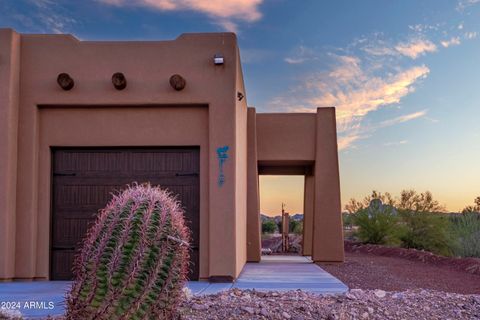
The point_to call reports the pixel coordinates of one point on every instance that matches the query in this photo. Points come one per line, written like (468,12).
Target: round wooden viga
(177,82)
(65,81)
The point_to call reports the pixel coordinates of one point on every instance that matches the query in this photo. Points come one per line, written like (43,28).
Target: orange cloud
(355,92)
(220,10)
(345,142)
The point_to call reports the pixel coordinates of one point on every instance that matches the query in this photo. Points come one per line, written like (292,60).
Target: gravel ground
(369,271)
(413,290)
(357,304)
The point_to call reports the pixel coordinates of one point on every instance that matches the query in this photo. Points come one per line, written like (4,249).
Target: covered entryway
(281,185)
(83,180)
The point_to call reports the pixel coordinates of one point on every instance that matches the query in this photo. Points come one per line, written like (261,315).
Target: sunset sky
(404,76)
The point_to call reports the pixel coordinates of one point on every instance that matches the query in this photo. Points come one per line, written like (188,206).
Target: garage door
(83,180)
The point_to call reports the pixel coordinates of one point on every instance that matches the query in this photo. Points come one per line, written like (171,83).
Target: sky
(402,74)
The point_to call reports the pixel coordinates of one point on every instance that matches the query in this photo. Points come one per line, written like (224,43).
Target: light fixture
(240,96)
(218,59)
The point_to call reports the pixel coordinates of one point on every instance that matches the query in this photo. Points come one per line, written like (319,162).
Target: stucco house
(80,119)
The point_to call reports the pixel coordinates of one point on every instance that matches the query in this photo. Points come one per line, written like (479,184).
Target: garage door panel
(84,181)
(106,162)
(70,231)
(62,261)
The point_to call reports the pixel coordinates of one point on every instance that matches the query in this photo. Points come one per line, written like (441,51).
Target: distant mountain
(297,217)
(264,217)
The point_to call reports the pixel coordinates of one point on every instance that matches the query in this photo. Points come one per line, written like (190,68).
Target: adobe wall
(9,96)
(32,63)
(286,136)
(327,223)
(241,169)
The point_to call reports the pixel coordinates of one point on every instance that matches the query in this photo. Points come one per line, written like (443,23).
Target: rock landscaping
(356,304)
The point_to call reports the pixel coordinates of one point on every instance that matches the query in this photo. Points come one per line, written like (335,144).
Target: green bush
(426,231)
(296,226)
(377,224)
(348,220)
(466,230)
(269,226)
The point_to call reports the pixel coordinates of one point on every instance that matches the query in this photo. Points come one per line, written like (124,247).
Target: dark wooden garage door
(84,178)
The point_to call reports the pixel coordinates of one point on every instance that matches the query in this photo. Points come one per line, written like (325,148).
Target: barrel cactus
(134,260)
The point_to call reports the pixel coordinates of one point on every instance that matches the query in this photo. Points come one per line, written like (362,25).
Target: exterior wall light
(119,81)
(240,96)
(218,59)
(177,82)
(65,81)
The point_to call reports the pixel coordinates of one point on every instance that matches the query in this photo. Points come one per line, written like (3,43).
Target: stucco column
(327,225)
(222,249)
(308,209)
(9,95)
(253,214)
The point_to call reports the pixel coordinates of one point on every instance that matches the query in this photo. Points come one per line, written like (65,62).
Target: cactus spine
(134,261)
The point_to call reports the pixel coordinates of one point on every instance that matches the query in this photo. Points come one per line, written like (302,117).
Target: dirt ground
(368,271)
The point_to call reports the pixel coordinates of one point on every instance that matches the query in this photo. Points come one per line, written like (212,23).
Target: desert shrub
(269,226)
(348,220)
(134,261)
(353,205)
(411,200)
(426,231)
(474,208)
(466,230)
(296,226)
(377,223)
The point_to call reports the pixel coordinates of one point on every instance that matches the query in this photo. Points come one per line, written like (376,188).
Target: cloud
(415,48)
(48,17)
(463,4)
(355,93)
(355,90)
(348,137)
(224,13)
(228,25)
(455,41)
(395,143)
(379,50)
(300,55)
(401,119)
(345,142)
(294,60)
(470,35)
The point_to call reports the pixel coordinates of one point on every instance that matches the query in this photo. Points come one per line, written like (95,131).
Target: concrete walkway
(281,273)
